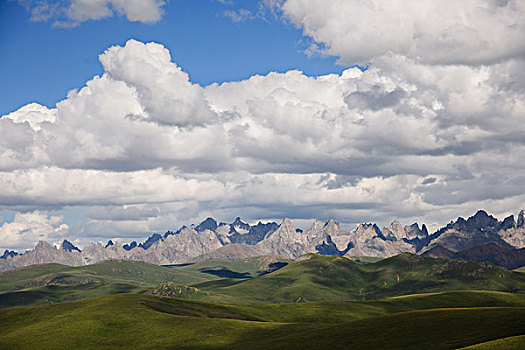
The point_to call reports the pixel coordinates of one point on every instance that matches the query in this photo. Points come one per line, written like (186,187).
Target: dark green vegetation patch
(323,278)
(145,322)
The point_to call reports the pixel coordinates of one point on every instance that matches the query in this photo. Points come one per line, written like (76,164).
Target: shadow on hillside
(226,273)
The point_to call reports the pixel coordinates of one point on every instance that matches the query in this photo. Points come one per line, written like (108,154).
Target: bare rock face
(189,243)
(521,219)
(44,253)
(239,240)
(395,231)
(514,233)
(414,232)
(284,242)
(478,230)
(95,252)
(233,252)
(370,240)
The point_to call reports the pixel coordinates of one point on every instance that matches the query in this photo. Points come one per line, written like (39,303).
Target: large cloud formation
(437,31)
(414,137)
(31,227)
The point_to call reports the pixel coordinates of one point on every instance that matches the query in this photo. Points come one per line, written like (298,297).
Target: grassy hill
(309,278)
(51,283)
(145,321)
(316,277)
(509,343)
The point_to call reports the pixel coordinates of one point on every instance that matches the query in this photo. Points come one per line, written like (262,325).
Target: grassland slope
(145,322)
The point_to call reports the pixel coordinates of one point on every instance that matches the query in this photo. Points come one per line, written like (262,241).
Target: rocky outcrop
(233,251)
(8,254)
(478,230)
(284,242)
(509,258)
(370,240)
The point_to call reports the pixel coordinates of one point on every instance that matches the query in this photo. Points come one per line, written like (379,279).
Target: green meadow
(314,302)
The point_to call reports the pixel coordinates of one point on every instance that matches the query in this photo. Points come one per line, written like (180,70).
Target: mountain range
(237,240)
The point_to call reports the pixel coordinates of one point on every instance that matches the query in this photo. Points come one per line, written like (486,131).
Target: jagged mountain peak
(43,244)
(482,220)
(287,223)
(68,246)
(396,224)
(240,224)
(521,219)
(413,231)
(284,240)
(130,245)
(508,222)
(150,241)
(366,226)
(331,223)
(318,225)
(8,254)
(208,224)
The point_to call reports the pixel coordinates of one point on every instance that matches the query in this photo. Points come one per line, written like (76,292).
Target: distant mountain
(239,240)
(478,230)
(69,247)
(509,258)
(8,254)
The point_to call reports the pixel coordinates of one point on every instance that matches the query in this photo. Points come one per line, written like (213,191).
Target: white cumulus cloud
(73,12)
(144,149)
(27,228)
(436,31)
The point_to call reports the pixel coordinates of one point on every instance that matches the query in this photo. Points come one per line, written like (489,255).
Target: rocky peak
(370,230)
(285,230)
(117,245)
(395,231)
(110,243)
(318,225)
(481,220)
(43,245)
(287,224)
(507,223)
(68,246)
(208,224)
(413,231)
(239,223)
(8,254)
(396,225)
(150,241)
(131,245)
(521,219)
(331,227)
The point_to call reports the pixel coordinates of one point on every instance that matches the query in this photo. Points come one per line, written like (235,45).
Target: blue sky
(431,131)
(41,63)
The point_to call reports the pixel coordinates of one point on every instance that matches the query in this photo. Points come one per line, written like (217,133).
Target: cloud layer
(72,12)
(434,128)
(402,139)
(31,227)
(436,31)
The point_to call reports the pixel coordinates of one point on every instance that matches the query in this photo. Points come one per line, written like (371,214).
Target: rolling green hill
(309,278)
(144,321)
(508,343)
(316,277)
(51,283)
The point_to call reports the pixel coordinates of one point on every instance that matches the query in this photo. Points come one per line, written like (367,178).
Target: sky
(121,118)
